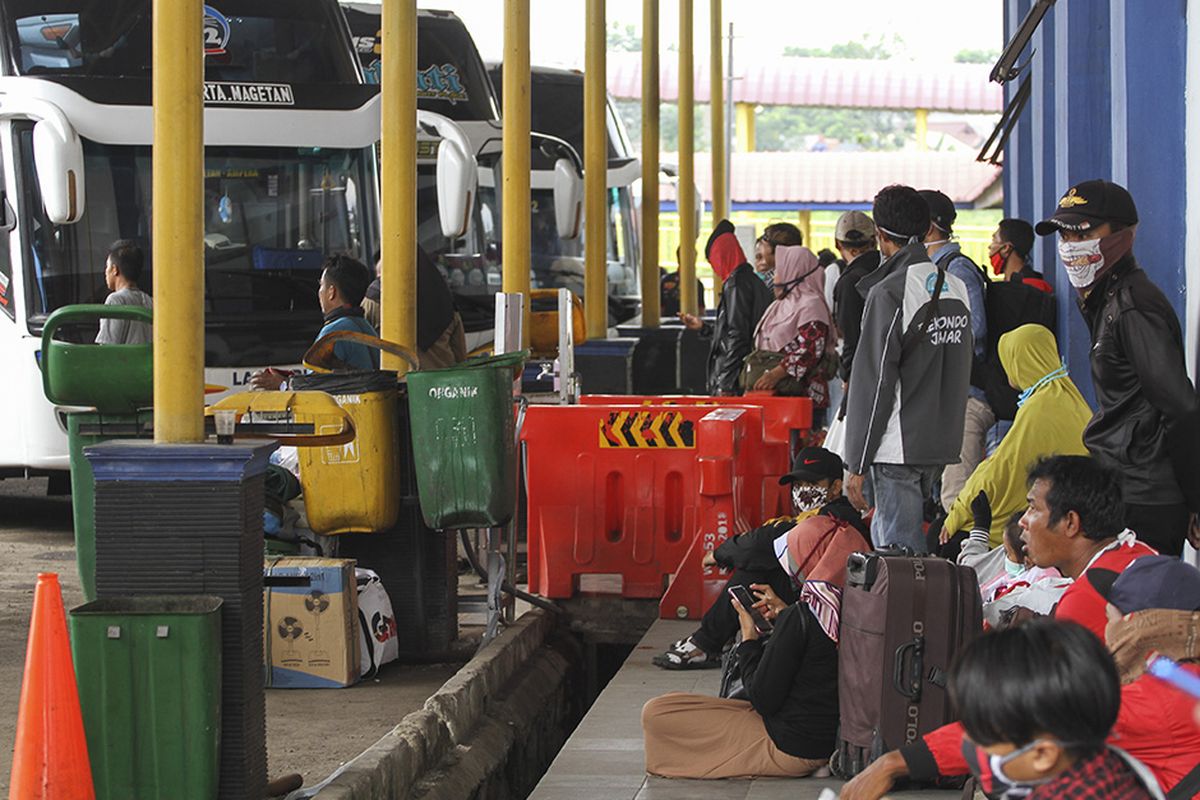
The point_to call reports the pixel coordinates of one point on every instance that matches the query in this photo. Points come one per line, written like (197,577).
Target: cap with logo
(1149,582)
(814,464)
(1090,204)
(941,209)
(854,228)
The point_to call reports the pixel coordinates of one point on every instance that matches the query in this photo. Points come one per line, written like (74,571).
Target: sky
(931,30)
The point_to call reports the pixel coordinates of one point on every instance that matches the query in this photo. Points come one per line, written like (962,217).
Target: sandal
(684,654)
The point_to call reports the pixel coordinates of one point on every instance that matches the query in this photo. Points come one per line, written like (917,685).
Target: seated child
(1037,703)
(816,481)
(1008,579)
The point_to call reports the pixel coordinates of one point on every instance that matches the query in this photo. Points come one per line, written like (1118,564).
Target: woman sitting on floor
(788,728)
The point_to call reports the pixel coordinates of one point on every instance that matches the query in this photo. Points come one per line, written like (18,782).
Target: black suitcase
(903,619)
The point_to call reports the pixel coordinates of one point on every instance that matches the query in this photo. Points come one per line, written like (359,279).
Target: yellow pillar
(743,122)
(720,198)
(178,220)
(516,220)
(686,190)
(804,223)
(398,179)
(651,297)
(595,174)
(922,128)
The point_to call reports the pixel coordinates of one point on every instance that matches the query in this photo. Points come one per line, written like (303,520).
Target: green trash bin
(116,380)
(149,675)
(464,442)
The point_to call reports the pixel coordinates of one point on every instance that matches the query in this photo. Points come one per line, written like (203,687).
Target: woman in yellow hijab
(1050,421)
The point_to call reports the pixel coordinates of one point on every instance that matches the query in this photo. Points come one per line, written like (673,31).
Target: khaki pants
(696,736)
(449,349)
(978,421)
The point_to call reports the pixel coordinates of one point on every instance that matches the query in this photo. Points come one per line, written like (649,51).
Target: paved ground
(603,759)
(308,731)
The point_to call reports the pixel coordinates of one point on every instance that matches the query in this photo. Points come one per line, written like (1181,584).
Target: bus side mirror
(58,158)
(568,199)
(457,177)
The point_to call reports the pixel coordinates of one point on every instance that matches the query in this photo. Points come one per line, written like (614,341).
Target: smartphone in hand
(761,623)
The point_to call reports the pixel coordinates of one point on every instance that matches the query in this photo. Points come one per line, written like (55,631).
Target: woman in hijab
(799,327)
(788,727)
(1051,415)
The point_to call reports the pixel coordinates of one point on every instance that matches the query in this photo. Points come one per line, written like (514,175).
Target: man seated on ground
(1008,578)
(1073,524)
(816,481)
(1038,703)
(1151,607)
(343,284)
(788,727)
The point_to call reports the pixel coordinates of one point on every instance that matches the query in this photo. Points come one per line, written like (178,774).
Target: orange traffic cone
(50,759)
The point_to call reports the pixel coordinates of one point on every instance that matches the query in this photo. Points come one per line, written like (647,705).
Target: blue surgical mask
(1057,374)
(1014,569)
(767,277)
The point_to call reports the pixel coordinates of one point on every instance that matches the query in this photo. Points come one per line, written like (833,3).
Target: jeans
(900,491)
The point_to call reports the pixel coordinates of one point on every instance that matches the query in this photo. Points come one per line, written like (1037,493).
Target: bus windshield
(301,41)
(271,216)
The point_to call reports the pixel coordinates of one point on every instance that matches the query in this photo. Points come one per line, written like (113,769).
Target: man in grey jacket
(908,388)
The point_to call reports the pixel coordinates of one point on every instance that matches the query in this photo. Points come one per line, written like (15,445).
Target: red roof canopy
(840,178)
(828,82)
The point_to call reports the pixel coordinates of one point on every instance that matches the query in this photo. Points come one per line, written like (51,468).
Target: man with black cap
(979,417)
(816,481)
(1147,421)
(744,298)
(908,388)
(854,235)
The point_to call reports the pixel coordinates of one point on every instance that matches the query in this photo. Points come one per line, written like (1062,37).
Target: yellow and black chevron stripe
(647,431)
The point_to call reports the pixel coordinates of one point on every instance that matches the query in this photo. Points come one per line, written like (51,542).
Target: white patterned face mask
(1082,260)
(808,497)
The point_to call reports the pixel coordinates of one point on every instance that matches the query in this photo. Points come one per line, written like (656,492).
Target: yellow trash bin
(352,488)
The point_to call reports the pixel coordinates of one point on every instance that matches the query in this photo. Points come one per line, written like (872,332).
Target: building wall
(1108,101)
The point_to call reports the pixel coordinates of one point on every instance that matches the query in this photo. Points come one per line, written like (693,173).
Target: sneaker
(685,654)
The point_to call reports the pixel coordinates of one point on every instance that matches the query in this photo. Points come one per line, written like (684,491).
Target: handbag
(757,364)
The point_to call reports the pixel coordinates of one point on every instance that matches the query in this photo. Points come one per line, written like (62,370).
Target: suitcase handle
(910,687)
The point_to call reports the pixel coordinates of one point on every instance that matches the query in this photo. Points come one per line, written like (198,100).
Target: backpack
(1009,305)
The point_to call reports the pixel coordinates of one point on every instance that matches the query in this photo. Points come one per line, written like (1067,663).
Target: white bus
(290,177)
(454,84)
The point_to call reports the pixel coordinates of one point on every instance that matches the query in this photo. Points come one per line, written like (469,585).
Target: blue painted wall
(1093,115)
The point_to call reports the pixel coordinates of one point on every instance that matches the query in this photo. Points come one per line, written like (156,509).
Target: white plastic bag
(835,437)
(376,623)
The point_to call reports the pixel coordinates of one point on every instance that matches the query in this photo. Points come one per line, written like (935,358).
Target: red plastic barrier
(782,417)
(694,586)
(617,490)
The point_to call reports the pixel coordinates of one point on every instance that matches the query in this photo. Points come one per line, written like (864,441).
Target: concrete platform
(603,759)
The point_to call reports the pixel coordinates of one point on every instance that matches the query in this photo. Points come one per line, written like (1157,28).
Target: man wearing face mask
(816,481)
(1147,424)
(908,388)
(979,417)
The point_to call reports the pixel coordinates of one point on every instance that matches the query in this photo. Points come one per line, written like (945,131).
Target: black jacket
(792,683)
(848,305)
(744,298)
(754,550)
(1147,414)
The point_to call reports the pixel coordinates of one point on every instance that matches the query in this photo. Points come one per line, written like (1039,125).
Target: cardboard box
(311,623)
